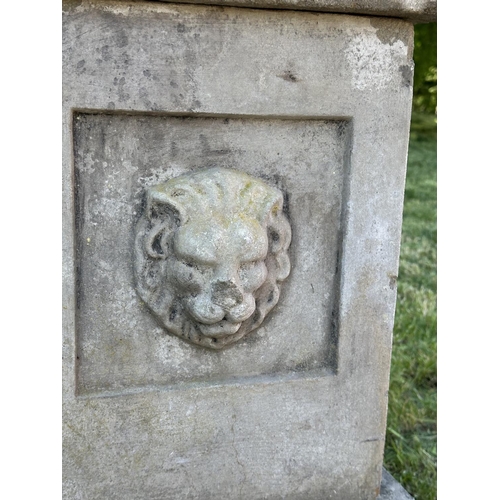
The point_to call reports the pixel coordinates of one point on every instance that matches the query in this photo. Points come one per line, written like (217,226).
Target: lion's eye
(187,274)
(194,265)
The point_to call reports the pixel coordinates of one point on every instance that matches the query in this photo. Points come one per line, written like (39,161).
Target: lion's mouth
(219,329)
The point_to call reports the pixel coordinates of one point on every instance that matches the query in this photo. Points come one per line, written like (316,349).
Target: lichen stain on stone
(117,9)
(390,31)
(372,63)
(393,279)
(407,74)
(71,5)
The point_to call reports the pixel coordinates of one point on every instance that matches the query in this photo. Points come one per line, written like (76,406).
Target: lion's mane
(169,206)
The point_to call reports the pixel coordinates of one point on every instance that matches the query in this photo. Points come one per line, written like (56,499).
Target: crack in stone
(242,482)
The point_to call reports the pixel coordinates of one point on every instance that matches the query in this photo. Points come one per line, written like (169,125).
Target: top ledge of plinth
(417,11)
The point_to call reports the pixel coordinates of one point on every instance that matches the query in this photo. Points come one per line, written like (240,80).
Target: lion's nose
(226,294)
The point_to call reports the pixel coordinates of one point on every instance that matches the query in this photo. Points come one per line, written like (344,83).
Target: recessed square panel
(120,345)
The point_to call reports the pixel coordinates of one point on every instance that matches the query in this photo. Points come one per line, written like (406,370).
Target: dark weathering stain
(407,74)
(121,39)
(392,281)
(288,76)
(78,125)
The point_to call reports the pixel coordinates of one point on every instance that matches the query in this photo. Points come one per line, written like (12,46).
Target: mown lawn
(411,445)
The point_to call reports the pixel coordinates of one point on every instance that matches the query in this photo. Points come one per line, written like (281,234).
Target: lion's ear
(164,215)
(161,203)
(280,236)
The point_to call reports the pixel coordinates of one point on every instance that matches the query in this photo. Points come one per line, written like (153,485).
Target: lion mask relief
(211,253)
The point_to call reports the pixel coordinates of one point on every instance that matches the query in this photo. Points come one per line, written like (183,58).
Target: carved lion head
(210,254)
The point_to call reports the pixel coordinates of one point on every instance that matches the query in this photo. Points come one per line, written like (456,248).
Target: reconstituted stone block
(230,176)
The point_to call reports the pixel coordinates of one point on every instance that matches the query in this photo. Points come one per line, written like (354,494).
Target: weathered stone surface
(316,106)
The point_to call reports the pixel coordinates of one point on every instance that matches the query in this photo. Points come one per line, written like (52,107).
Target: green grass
(411,445)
